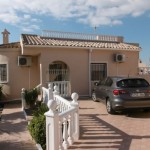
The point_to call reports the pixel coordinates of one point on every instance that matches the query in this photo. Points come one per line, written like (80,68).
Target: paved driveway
(13,130)
(101,131)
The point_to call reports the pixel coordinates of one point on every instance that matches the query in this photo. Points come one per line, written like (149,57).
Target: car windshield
(129,83)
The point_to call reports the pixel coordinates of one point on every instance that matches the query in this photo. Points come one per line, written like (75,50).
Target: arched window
(58,71)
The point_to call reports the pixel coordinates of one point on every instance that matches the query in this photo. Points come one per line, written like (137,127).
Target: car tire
(94,98)
(109,107)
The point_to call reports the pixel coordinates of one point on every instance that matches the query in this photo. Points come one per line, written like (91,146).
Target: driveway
(102,131)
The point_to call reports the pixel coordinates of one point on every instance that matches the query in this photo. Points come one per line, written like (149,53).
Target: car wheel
(109,107)
(94,98)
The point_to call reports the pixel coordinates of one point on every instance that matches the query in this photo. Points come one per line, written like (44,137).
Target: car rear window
(129,83)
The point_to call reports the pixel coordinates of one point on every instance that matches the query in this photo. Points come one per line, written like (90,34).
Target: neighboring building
(72,60)
(144,70)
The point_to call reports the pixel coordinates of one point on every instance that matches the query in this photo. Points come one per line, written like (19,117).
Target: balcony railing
(81,36)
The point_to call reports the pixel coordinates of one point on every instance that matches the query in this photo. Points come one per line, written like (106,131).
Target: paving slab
(14,134)
(102,131)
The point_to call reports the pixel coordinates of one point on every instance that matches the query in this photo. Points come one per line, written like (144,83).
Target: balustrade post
(65,134)
(70,129)
(56,90)
(75,104)
(50,91)
(23,99)
(52,126)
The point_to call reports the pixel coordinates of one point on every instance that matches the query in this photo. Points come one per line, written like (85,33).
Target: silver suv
(119,93)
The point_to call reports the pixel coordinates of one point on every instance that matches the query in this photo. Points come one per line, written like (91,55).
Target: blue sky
(127,18)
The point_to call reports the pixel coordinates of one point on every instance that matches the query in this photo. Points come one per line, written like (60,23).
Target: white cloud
(30,28)
(91,12)
(9,18)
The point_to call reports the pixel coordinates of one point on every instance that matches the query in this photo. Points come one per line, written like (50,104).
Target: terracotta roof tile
(32,40)
(10,45)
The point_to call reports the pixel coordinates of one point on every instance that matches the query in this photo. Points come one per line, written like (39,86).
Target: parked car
(120,93)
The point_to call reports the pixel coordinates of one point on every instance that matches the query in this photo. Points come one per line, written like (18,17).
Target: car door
(97,89)
(101,90)
(106,89)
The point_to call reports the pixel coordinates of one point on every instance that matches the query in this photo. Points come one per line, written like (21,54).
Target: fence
(62,119)
(64,87)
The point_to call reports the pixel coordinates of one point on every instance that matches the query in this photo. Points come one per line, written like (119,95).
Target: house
(74,61)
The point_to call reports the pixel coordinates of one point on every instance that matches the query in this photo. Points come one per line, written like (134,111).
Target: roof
(10,45)
(35,40)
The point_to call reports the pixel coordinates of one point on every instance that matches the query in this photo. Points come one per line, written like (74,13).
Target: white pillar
(50,91)
(23,99)
(52,125)
(75,104)
(56,90)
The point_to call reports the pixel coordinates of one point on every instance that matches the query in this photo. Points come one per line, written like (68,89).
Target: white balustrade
(62,122)
(64,87)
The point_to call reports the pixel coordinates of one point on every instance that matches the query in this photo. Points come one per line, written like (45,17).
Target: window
(98,71)
(129,83)
(3,73)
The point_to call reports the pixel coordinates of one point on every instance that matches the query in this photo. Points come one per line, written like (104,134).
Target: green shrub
(31,96)
(37,126)
(40,110)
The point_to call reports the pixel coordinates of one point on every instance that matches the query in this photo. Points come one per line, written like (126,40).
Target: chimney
(5,36)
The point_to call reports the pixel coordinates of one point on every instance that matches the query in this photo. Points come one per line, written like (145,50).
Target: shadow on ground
(98,134)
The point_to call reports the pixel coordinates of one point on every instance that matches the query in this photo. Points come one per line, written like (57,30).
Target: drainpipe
(90,53)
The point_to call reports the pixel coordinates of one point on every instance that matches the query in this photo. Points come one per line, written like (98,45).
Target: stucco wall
(78,63)
(18,77)
(77,60)
(129,67)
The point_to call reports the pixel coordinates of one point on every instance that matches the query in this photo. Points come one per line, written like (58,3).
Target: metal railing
(81,36)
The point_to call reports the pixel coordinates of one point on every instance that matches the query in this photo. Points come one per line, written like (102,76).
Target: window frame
(105,65)
(6,81)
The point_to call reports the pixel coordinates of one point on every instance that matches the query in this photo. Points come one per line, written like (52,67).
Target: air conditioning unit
(119,58)
(24,61)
